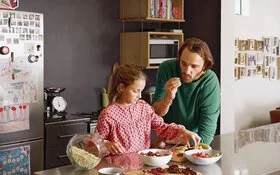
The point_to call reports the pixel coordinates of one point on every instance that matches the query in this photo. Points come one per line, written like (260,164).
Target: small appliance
(162,49)
(55,104)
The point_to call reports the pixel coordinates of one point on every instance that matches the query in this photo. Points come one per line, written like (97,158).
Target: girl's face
(131,94)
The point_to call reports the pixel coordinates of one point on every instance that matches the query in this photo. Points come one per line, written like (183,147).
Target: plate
(215,155)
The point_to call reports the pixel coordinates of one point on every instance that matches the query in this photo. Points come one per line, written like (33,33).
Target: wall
(246,103)
(81,44)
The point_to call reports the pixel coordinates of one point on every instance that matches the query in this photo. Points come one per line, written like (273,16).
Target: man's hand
(171,87)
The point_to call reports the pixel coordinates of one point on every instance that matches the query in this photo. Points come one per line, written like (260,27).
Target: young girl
(127,122)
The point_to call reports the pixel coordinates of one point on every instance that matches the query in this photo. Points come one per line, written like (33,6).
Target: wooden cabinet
(134,46)
(57,136)
(141,10)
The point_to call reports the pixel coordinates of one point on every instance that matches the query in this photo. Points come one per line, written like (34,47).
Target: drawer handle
(64,136)
(62,156)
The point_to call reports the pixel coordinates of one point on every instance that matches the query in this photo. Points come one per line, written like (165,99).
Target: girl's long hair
(125,74)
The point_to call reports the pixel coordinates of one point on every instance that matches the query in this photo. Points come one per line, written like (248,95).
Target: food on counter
(157,154)
(82,158)
(206,155)
(178,153)
(172,169)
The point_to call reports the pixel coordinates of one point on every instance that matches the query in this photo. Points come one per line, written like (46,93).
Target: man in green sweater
(188,92)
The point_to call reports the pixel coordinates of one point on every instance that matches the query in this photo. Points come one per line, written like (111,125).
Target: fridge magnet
(275,42)
(251,59)
(15,160)
(241,58)
(267,44)
(242,45)
(251,44)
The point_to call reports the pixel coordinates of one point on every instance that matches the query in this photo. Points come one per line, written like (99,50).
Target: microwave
(162,50)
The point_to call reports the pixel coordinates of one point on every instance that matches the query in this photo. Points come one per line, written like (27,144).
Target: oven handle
(65,136)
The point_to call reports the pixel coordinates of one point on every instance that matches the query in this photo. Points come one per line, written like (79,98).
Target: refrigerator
(21,92)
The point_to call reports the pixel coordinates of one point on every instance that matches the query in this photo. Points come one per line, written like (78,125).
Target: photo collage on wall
(257,58)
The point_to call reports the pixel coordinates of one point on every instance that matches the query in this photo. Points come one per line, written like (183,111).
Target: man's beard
(187,78)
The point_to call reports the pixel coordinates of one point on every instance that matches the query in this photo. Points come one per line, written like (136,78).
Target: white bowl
(215,156)
(110,171)
(163,159)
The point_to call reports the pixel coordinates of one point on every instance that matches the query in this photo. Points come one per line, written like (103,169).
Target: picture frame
(251,44)
(236,73)
(260,58)
(267,44)
(251,60)
(259,69)
(236,43)
(272,73)
(259,45)
(266,61)
(273,61)
(265,72)
(242,72)
(242,45)
(250,72)
(241,58)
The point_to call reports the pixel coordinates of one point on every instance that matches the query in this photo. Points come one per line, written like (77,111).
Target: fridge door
(21,78)
(22,158)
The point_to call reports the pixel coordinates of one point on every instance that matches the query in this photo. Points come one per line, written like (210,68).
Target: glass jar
(85,150)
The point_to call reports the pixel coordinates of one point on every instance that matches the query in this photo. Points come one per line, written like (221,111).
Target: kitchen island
(249,152)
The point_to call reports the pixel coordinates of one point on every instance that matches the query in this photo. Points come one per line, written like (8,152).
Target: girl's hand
(187,136)
(115,147)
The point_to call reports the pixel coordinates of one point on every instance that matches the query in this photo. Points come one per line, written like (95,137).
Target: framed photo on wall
(251,44)
(250,72)
(242,58)
(259,45)
(242,45)
(267,44)
(272,73)
(251,59)
(259,58)
(242,72)
(266,61)
(265,72)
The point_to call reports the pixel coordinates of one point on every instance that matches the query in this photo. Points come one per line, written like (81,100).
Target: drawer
(56,157)
(61,134)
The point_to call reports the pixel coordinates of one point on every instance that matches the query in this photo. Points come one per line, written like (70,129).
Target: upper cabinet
(152,10)
(150,48)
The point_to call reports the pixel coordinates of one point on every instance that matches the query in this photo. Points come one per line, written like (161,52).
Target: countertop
(248,152)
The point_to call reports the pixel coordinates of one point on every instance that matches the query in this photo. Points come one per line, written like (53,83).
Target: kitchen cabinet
(134,46)
(58,132)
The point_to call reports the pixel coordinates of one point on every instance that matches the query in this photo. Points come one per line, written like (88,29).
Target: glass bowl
(85,150)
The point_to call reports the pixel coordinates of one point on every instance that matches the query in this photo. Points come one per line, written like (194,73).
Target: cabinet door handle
(62,156)
(64,136)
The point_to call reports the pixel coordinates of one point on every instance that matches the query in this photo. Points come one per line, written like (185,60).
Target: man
(188,92)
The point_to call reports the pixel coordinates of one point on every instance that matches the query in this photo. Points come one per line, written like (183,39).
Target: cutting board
(140,172)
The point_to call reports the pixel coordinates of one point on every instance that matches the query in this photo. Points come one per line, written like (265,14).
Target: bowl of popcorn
(85,150)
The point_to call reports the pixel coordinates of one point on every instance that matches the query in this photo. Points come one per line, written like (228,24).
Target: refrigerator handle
(65,136)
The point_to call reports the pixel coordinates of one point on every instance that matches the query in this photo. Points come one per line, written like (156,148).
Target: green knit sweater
(196,105)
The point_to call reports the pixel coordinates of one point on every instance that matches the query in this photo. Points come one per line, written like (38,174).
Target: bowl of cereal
(84,151)
(155,157)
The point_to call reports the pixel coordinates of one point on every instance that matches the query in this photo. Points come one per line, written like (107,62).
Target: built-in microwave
(162,49)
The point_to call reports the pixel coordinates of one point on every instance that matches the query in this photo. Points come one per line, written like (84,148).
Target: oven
(93,119)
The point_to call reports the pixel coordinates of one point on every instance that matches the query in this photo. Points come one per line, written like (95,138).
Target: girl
(126,123)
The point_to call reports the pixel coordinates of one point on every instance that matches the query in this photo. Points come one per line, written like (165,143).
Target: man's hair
(201,48)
